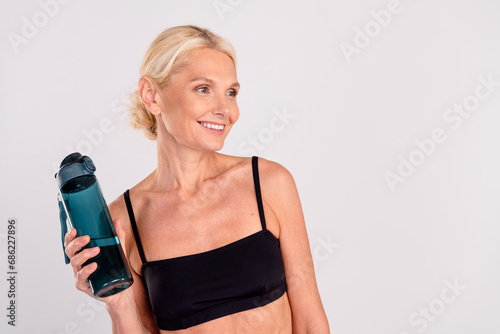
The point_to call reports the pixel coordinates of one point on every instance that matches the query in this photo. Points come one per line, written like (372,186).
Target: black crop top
(189,290)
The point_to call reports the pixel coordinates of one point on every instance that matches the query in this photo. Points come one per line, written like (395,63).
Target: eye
(232,92)
(202,89)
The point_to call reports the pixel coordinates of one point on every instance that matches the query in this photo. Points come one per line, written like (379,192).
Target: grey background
(384,257)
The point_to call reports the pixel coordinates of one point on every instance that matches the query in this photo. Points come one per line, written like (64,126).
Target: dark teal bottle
(82,206)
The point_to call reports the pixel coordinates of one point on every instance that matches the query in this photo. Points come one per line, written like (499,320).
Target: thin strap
(134,225)
(255,169)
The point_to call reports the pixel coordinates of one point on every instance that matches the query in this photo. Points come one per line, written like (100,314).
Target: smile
(212,126)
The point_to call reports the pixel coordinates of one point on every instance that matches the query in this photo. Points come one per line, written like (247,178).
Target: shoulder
(279,192)
(274,177)
(118,210)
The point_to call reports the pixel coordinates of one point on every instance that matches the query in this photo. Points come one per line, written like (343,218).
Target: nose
(221,107)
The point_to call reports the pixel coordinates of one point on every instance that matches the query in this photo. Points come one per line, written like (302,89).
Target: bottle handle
(64,227)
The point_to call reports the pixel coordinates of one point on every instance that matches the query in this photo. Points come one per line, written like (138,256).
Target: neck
(182,168)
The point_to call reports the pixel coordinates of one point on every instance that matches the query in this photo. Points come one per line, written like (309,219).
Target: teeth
(213,126)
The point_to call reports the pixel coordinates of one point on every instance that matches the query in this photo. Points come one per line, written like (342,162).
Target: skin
(197,200)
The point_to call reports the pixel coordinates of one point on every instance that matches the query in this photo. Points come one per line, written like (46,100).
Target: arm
(135,314)
(130,310)
(121,306)
(126,314)
(280,193)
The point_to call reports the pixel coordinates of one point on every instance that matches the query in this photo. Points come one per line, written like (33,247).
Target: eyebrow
(210,81)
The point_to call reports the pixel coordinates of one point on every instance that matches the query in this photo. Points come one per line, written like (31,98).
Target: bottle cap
(73,166)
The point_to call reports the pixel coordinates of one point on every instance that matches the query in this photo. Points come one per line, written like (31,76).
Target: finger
(81,281)
(70,235)
(80,258)
(76,245)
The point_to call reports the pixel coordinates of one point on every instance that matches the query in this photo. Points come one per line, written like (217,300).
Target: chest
(172,226)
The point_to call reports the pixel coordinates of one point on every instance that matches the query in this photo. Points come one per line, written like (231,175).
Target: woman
(216,243)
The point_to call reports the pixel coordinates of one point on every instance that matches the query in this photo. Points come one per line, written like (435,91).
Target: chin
(213,147)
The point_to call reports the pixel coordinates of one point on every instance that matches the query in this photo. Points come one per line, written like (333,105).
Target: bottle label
(103,242)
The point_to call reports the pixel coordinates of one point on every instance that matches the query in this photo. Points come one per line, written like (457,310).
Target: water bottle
(82,206)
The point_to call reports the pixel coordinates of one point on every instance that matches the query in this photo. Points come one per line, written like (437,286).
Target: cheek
(183,112)
(235,115)
(194,109)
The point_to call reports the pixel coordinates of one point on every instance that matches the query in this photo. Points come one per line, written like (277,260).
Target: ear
(149,95)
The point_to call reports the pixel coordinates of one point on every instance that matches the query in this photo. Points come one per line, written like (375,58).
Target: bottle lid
(74,165)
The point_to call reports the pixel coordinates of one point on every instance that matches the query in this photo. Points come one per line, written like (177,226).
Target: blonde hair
(164,57)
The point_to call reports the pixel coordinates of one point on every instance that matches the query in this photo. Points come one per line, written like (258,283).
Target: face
(198,107)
